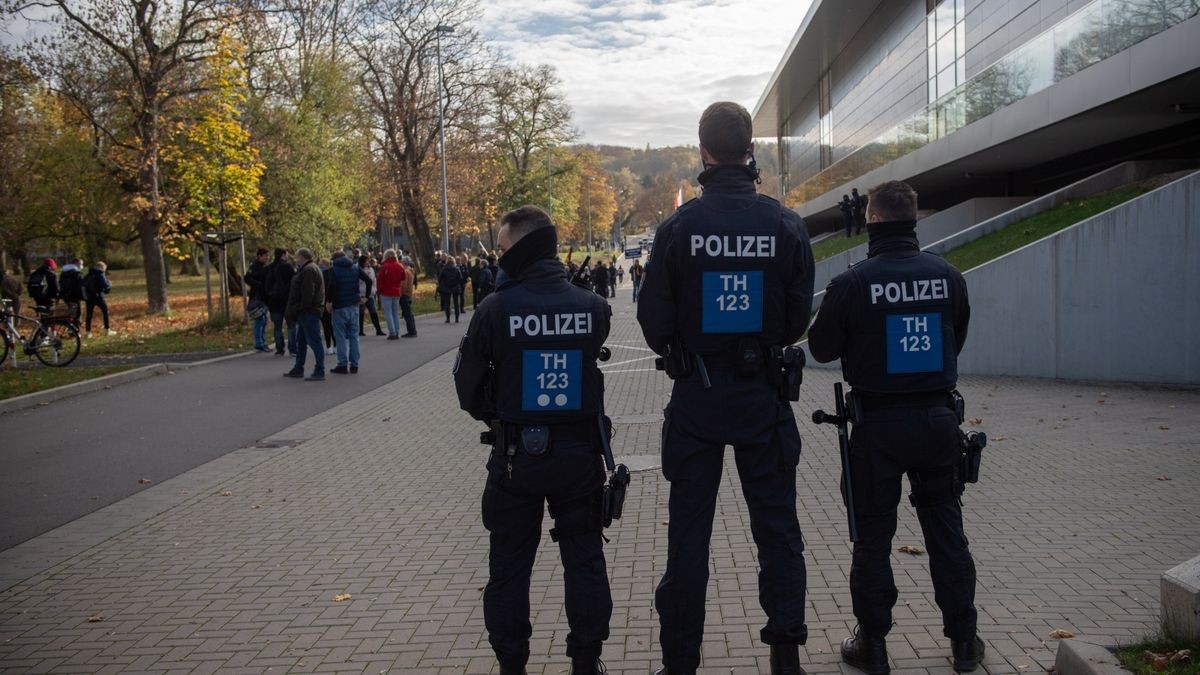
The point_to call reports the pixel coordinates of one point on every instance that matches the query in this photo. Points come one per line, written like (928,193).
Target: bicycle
(54,341)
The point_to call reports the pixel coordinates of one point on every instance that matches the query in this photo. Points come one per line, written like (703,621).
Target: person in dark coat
(326,266)
(460,297)
(859,204)
(256,305)
(95,286)
(449,283)
(43,284)
(278,284)
(70,287)
(847,210)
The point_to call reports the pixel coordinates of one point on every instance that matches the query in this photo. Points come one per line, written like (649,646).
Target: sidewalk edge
(47,396)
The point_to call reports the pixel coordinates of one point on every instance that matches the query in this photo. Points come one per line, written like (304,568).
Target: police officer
(898,321)
(527,366)
(731,283)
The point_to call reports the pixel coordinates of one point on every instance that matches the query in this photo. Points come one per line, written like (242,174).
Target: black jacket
(256,281)
(529,355)
(278,276)
(42,286)
(734,237)
(449,280)
(96,284)
(897,320)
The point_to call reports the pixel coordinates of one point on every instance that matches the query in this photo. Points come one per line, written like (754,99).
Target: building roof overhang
(825,31)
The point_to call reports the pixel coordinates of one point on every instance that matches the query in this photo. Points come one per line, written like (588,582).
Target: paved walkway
(237,566)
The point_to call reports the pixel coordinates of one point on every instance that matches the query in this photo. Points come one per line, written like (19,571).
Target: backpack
(70,285)
(37,284)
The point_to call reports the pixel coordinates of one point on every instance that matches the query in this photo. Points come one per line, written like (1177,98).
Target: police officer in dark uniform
(730,285)
(527,366)
(898,321)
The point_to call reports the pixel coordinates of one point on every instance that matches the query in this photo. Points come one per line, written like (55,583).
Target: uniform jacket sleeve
(473,367)
(827,336)
(656,299)
(800,290)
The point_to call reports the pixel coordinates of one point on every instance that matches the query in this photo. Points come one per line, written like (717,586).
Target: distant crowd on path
(854,212)
(76,289)
(323,305)
(603,278)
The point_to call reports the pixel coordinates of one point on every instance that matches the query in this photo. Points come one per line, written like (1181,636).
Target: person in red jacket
(391,280)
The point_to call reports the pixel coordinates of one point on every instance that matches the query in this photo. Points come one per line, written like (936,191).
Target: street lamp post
(591,240)
(438,30)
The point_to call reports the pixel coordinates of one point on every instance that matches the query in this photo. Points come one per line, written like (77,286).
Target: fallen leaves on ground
(1164,477)
(975,421)
(342,597)
(1161,661)
(911,550)
(1060,634)
(1164,427)
(144,481)
(226,493)
(95,618)
(998,438)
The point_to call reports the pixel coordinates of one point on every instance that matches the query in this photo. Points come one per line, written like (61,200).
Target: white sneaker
(331,350)
(112,332)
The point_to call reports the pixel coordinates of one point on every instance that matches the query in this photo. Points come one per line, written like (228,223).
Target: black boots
(867,653)
(785,660)
(512,671)
(967,654)
(587,667)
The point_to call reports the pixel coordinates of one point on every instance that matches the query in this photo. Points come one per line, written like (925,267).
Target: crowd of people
(854,212)
(323,305)
(603,278)
(76,288)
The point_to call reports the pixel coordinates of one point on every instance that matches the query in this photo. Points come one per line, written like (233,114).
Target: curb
(48,396)
(1076,657)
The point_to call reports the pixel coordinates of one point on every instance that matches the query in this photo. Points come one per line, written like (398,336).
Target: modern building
(978,98)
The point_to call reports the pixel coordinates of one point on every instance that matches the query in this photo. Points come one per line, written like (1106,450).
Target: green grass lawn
(27,379)
(1036,227)
(1135,657)
(834,245)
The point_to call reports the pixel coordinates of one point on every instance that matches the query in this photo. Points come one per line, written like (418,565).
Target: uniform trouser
(570,478)
(923,443)
(744,413)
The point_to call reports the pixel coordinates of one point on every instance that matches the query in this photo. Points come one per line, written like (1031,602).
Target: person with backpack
(95,286)
(43,284)
(70,287)
(449,285)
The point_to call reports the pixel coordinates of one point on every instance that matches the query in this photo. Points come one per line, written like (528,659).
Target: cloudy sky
(641,71)
(636,71)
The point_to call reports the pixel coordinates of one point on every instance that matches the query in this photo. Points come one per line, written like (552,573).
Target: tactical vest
(902,340)
(730,274)
(545,350)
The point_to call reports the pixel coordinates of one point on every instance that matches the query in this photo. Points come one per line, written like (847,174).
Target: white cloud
(641,71)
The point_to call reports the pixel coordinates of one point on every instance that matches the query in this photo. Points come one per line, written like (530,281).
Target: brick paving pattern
(235,566)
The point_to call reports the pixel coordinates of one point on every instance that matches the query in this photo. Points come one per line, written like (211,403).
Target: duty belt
(868,403)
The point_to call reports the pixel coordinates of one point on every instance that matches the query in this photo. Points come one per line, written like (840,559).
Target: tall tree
(396,45)
(529,114)
(148,47)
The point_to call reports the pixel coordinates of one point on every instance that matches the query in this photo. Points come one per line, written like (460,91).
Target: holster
(677,363)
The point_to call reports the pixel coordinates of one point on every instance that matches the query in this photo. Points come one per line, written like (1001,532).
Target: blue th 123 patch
(914,343)
(733,302)
(552,380)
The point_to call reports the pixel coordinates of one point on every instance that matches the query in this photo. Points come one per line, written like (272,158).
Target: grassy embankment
(1011,238)
(1170,656)
(27,380)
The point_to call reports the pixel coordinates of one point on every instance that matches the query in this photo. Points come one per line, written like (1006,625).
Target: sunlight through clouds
(639,72)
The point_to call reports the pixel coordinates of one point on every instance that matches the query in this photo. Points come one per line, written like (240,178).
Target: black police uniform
(528,360)
(732,272)
(898,321)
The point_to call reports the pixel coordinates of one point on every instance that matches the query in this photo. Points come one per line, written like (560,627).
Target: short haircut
(523,220)
(339,254)
(893,200)
(304,253)
(262,251)
(726,132)
(102,266)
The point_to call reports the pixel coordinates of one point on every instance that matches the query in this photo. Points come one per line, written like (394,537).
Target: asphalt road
(74,456)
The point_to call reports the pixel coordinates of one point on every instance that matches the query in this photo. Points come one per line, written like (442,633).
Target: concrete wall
(1114,298)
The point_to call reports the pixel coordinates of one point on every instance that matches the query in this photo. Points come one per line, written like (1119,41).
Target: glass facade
(1090,35)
